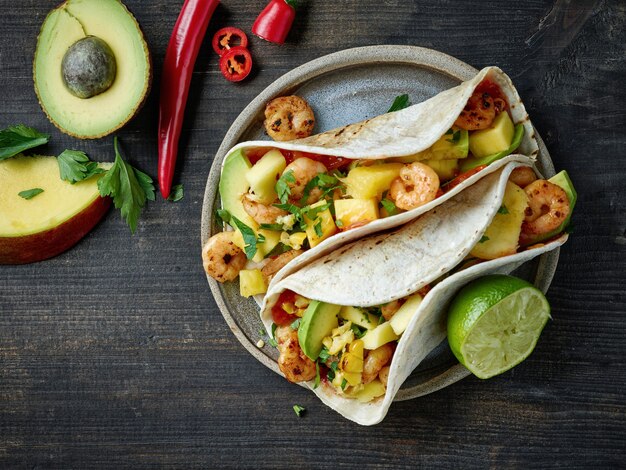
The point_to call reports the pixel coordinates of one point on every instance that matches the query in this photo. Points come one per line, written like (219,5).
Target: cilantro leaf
(503,210)
(30,193)
(326,183)
(344,383)
(399,103)
(389,206)
(249,237)
(75,166)
(282,185)
(16,139)
(128,187)
(299,410)
(273,227)
(318,228)
(483,239)
(324,355)
(456,137)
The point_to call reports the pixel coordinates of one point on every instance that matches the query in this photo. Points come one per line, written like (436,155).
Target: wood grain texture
(114,355)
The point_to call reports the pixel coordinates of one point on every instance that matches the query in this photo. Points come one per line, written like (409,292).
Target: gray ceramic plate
(345,87)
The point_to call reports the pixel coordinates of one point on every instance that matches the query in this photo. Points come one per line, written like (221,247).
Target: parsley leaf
(16,139)
(177,194)
(299,410)
(344,382)
(399,103)
(483,239)
(250,239)
(326,183)
(273,227)
(318,228)
(282,185)
(75,166)
(503,210)
(30,193)
(389,206)
(129,188)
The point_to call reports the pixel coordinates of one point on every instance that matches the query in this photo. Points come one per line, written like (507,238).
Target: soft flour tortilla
(399,134)
(388,266)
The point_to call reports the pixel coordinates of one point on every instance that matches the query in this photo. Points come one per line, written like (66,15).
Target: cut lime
(494,323)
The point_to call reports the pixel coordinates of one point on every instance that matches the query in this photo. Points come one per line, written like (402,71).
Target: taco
(317,193)
(354,324)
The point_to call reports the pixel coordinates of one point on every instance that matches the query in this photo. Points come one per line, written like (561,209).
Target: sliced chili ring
(227,38)
(236,64)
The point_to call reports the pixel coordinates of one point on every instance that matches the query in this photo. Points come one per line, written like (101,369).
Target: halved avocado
(107,111)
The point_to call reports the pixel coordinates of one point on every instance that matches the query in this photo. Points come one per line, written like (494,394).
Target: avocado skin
(88,67)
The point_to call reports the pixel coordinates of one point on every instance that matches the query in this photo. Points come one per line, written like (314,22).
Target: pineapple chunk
(295,240)
(502,236)
(365,182)
(403,316)
(339,338)
(446,148)
(493,140)
(325,223)
(263,176)
(445,169)
(359,317)
(372,390)
(251,282)
(380,335)
(353,211)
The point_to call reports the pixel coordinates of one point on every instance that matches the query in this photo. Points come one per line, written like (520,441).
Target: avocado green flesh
(102,114)
(88,67)
(560,179)
(318,321)
(233,185)
(473,162)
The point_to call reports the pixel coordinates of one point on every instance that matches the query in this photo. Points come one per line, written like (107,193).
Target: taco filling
(281,203)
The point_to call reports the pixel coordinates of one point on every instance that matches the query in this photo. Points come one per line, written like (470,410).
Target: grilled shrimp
(291,360)
(289,118)
(522,176)
(375,361)
(417,185)
(304,170)
(383,375)
(479,112)
(221,258)
(548,207)
(261,213)
(276,264)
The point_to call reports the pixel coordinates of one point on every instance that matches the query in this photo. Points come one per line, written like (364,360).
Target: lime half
(494,323)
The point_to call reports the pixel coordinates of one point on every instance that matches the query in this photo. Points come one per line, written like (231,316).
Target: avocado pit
(88,67)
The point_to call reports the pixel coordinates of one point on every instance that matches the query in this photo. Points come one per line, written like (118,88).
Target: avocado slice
(563,180)
(101,114)
(318,321)
(473,162)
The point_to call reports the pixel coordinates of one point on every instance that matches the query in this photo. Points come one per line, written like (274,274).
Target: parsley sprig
(75,166)
(16,139)
(327,183)
(399,103)
(129,188)
(282,186)
(250,238)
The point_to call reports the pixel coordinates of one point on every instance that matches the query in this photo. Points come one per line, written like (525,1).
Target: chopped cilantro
(456,137)
(338,223)
(299,410)
(323,356)
(503,210)
(344,382)
(330,375)
(483,239)
(296,324)
(282,185)
(318,228)
(250,239)
(389,206)
(358,331)
(274,227)
(326,183)
(272,342)
(399,103)
(278,250)
(30,193)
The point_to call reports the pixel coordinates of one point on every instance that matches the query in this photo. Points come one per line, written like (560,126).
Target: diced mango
(445,169)
(323,221)
(494,139)
(371,390)
(380,335)
(353,211)
(251,282)
(359,317)
(402,317)
(365,182)
(263,176)
(502,236)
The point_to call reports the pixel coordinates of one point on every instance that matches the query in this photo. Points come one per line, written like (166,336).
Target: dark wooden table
(115,355)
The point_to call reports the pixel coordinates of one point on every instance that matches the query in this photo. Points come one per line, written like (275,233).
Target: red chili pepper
(462,177)
(180,58)
(274,22)
(227,38)
(236,64)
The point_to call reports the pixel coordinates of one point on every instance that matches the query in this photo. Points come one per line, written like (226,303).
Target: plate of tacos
(353,198)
